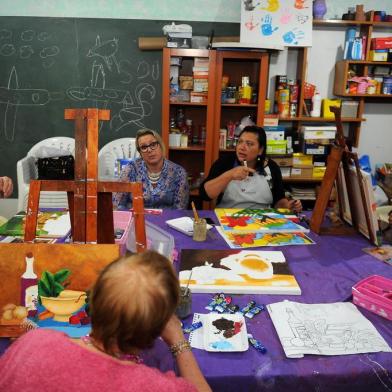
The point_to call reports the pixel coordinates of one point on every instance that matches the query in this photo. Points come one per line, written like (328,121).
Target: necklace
(122,357)
(154,177)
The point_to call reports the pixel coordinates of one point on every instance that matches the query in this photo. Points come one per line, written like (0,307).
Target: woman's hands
(240,172)
(6,186)
(172,333)
(295,206)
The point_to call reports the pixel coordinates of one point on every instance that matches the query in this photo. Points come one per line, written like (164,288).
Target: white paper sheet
(324,329)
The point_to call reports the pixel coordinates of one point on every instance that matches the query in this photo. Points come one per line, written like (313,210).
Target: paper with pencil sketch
(324,329)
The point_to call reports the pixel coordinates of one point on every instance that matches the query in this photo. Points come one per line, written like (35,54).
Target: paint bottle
(316,105)
(29,284)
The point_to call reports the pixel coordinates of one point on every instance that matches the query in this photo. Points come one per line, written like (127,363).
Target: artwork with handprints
(286,16)
(272,6)
(292,37)
(249,6)
(250,25)
(300,4)
(302,18)
(266,27)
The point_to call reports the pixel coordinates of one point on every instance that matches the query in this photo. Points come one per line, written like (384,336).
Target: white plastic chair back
(26,170)
(124,148)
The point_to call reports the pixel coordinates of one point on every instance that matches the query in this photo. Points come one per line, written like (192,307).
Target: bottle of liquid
(246,90)
(180,118)
(202,134)
(192,136)
(29,284)
(198,181)
(316,105)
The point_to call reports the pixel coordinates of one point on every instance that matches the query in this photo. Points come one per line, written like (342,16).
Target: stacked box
(315,140)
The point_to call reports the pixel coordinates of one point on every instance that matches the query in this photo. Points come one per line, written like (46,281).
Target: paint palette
(225,332)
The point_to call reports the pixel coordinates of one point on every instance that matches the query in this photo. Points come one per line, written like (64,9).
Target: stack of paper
(324,329)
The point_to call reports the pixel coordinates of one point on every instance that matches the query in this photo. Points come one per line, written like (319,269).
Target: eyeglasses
(152,146)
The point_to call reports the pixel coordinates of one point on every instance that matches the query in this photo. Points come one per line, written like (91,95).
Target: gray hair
(156,135)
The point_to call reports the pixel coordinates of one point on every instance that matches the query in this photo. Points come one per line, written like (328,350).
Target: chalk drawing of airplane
(11,97)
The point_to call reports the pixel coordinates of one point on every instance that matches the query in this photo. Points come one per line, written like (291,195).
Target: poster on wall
(276,22)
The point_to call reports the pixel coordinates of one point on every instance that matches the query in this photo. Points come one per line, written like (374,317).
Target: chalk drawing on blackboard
(43,36)
(7,50)
(27,35)
(5,34)
(25,52)
(49,51)
(107,51)
(11,97)
(128,116)
(143,70)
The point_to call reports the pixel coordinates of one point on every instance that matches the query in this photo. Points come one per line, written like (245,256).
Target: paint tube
(256,344)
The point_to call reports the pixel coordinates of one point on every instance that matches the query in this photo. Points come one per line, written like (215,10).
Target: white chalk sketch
(107,51)
(129,106)
(11,97)
(324,329)
(43,36)
(5,34)
(27,35)
(26,51)
(7,50)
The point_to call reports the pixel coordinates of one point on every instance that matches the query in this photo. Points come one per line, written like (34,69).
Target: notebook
(183,225)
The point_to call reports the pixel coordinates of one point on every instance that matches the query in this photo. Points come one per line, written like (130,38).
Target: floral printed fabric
(171,191)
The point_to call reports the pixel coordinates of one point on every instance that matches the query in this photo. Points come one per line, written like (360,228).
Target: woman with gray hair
(165,183)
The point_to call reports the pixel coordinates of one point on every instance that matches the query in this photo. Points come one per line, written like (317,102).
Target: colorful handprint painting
(276,22)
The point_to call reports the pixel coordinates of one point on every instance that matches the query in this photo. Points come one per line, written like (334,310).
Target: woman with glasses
(165,183)
(248,179)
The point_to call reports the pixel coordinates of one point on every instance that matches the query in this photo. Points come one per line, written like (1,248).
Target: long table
(326,272)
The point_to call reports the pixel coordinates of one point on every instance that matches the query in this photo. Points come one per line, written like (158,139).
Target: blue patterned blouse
(171,191)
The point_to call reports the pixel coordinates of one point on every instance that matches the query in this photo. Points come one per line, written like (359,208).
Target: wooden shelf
(189,148)
(368,62)
(309,180)
(367,95)
(319,119)
(188,103)
(240,105)
(340,22)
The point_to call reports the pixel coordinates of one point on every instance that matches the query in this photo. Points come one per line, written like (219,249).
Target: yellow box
(302,160)
(326,104)
(319,172)
(378,55)
(276,147)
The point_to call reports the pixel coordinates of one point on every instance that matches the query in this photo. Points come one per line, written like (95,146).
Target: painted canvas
(257,239)
(53,224)
(237,272)
(356,203)
(252,220)
(279,22)
(46,285)
(383,253)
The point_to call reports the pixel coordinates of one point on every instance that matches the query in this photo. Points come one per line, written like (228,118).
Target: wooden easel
(339,155)
(89,200)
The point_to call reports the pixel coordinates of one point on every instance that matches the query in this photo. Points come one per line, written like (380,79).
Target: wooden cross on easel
(339,155)
(89,200)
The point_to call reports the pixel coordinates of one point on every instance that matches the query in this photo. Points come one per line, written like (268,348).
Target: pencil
(194,211)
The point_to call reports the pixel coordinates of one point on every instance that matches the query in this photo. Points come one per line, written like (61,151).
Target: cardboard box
(198,97)
(275,133)
(303,172)
(318,132)
(315,149)
(177,42)
(302,160)
(286,171)
(271,120)
(326,104)
(381,43)
(276,147)
(200,85)
(349,109)
(186,82)
(283,161)
(379,55)
(318,172)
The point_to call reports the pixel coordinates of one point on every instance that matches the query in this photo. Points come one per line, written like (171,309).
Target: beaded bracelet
(179,347)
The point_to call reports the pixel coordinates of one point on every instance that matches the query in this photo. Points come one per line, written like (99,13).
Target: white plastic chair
(26,170)
(124,148)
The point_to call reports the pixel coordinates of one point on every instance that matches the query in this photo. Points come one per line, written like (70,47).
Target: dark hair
(132,300)
(262,139)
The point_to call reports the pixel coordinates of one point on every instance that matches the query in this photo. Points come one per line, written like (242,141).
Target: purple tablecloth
(326,272)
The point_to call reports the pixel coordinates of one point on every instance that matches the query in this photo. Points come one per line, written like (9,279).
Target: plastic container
(122,223)
(316,105)
(374,294)
(387,86)
(157,239)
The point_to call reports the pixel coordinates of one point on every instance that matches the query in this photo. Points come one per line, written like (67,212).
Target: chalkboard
(49,64)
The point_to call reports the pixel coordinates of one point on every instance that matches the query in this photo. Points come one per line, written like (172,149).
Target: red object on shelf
(381,43)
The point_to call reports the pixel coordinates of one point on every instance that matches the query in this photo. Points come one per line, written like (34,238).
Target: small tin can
(184,307)
(199,230)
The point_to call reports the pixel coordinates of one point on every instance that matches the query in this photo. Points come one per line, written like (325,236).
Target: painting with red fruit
(48,285)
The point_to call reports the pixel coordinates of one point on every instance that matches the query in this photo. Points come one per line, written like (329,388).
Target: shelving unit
(194,158)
